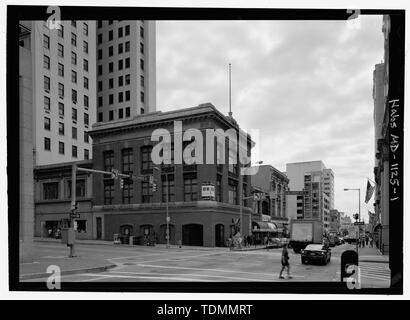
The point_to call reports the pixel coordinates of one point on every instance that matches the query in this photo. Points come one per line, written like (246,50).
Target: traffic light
(356,216)
(154,187)
(121,183)
(74,207)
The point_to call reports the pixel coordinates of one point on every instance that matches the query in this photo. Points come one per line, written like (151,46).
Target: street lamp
(357,234)
(167,210)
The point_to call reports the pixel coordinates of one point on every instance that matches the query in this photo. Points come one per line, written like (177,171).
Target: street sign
(361,223)
(114,174)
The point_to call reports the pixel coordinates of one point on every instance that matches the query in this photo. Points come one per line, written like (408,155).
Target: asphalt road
(159,264)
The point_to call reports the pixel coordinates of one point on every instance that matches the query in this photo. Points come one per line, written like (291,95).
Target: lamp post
(358,227)
(167,209)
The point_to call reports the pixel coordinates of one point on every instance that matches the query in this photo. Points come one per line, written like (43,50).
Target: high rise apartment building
(126,69)
(62,63)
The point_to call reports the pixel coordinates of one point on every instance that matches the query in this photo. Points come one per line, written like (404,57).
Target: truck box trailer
(304,232)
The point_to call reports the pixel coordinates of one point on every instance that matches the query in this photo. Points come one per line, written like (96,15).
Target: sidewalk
(368,254)
(34,262)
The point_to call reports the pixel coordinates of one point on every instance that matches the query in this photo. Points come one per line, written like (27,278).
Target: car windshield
(314,247)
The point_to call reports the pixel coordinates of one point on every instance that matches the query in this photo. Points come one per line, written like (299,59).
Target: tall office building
(126,69)
(63,83)
(328,186)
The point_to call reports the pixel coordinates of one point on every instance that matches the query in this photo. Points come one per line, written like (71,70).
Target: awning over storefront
(262,226)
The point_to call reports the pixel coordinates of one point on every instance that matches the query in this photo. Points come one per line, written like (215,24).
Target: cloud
(306,85)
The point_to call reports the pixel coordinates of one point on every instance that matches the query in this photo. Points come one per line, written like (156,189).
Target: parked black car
(316,252)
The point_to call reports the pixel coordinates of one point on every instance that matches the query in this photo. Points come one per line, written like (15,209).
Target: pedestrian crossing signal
(122,183)
(154,187)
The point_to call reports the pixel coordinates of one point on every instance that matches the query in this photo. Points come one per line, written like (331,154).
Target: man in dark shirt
(285,262)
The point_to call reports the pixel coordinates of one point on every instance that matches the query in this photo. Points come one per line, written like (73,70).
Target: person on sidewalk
(371,242)
(367,241)
(285,262)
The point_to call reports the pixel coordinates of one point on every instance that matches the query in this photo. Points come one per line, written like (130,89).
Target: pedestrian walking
(371,242)
(367,241)
(285,262)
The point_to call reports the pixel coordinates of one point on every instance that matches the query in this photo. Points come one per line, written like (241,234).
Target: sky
(306,85)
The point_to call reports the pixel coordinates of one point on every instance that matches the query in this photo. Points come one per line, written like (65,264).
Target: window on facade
(46,42)
(61,70)
(127,95)
(61,128)
(127,161)
(233,193)
(74,95)
(127,112)
(74,133)
(190,188)
(111,67)
(100,85)
(146,163)
(74,114)
(60,50)
(60,31)
(47,144)
(74,151)
(168,187)
(100,70)
(146,192)
(120,96)
(86,101)
(120,64)
(99,38)
(50,191)
(85,64)
(127,30)
(218,188)
(110,35)
(142,64)
(47,125)
(142,96)
(110,51)
(120,48)
(141,32)
(111,115)
(74,23)
(61,90)
(120,32)
(74,58)
(86,154)
(111,99)
(108,191)
(108,157)
(46,83)
(85,29)
(80,188)
(127,79)
(142,81)
(100,117)
(61,109)
(73,76)
(100,101)
(141,47)
(233,163)
(142,110)
(86,137)
(46,103)
(61,147)
(85,46)
(73,39)
(85,82)
(127,62)
(120,113)
(46,62)
(127,46)
(86,119)
(127,191)
(120,81)
(111,83)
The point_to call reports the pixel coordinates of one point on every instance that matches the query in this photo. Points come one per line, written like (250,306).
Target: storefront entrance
(192,235)
(219,235)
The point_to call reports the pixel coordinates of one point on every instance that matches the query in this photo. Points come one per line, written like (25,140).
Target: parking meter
(348,258)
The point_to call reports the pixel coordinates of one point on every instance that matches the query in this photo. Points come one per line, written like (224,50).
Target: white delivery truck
(304,232)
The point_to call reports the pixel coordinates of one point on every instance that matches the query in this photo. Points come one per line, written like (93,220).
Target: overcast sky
(306,85)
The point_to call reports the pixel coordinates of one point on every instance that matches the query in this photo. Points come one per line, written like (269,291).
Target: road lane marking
(141,277)
(180,258)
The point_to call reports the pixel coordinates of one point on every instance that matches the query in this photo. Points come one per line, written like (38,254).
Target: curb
(67,272)
(82,243)
(376,261)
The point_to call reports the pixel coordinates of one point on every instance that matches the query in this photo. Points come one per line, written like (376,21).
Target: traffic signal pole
(73,206)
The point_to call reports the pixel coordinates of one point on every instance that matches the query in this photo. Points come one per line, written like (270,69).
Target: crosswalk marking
(378,271)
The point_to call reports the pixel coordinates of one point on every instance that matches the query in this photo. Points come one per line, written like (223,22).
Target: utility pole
(73,208)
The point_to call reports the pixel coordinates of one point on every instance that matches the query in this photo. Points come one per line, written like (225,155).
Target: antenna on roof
(230,110)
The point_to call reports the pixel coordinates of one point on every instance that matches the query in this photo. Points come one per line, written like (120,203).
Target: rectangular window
(190,188)
(120,32)
(61,90)
(127,191)
(142,81)
(146,192)
(47,125)
(110,83)
(73,39)
(218,187)
(110,35)
(46,42)
(60,50)
(127,160)
(74,95)
(108,157)
(100,85)
(74,114)
(146,163)
(127,62)
(142,64)
(100,101)
(142,32)
(127,79)
(111,99)
(74,151)
(233,163)
(127,30)
(120,96)
(111,67)
(85,64)
(60,31)
(99,38)
(61,148)
(142,96)
(61,70)
(141,48)
(110,51)
(233,193)
(85,46)
(61,109)
(85,83)
(120,48)
(61,128)
(74,24)
(80,186)
(120,113)
(108,191)
(86,154)
(74,133)
(86,102)
(142,110)
(47,144)
(120,81)
(46,62)
(127,112)
(85,29)
(50,191)
(100,70)
(168,187)
(127,95)
(100,117)
(73,76)
(120,65)
(47,103)
(86,137)
(127,46)
(46,83)
(111,115)
(74,58)
(86,119)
